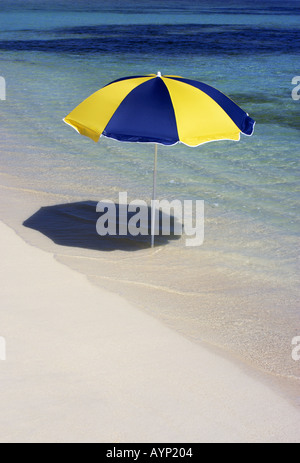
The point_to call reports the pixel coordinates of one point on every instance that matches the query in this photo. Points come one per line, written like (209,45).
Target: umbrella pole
(153,198)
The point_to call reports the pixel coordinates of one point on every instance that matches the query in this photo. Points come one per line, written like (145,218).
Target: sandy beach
(83,365)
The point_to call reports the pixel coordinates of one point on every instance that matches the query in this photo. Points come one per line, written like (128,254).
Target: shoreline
(103,371)
(133,290)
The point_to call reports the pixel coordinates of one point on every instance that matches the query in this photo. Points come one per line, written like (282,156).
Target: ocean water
(239,291)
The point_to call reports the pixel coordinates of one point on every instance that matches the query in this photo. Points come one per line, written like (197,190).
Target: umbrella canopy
(162,110)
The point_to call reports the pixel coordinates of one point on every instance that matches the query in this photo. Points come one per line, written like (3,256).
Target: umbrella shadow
(74,225)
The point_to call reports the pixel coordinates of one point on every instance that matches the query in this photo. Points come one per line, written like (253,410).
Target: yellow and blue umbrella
(162,110)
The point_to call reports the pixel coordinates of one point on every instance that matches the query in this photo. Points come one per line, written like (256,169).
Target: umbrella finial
(159,74)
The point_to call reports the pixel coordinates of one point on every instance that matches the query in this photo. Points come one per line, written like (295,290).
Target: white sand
(85,366)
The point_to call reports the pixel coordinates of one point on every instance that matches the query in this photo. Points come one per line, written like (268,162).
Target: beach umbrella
(162,110)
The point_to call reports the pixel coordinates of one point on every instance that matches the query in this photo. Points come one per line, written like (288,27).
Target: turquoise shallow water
(53,55)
